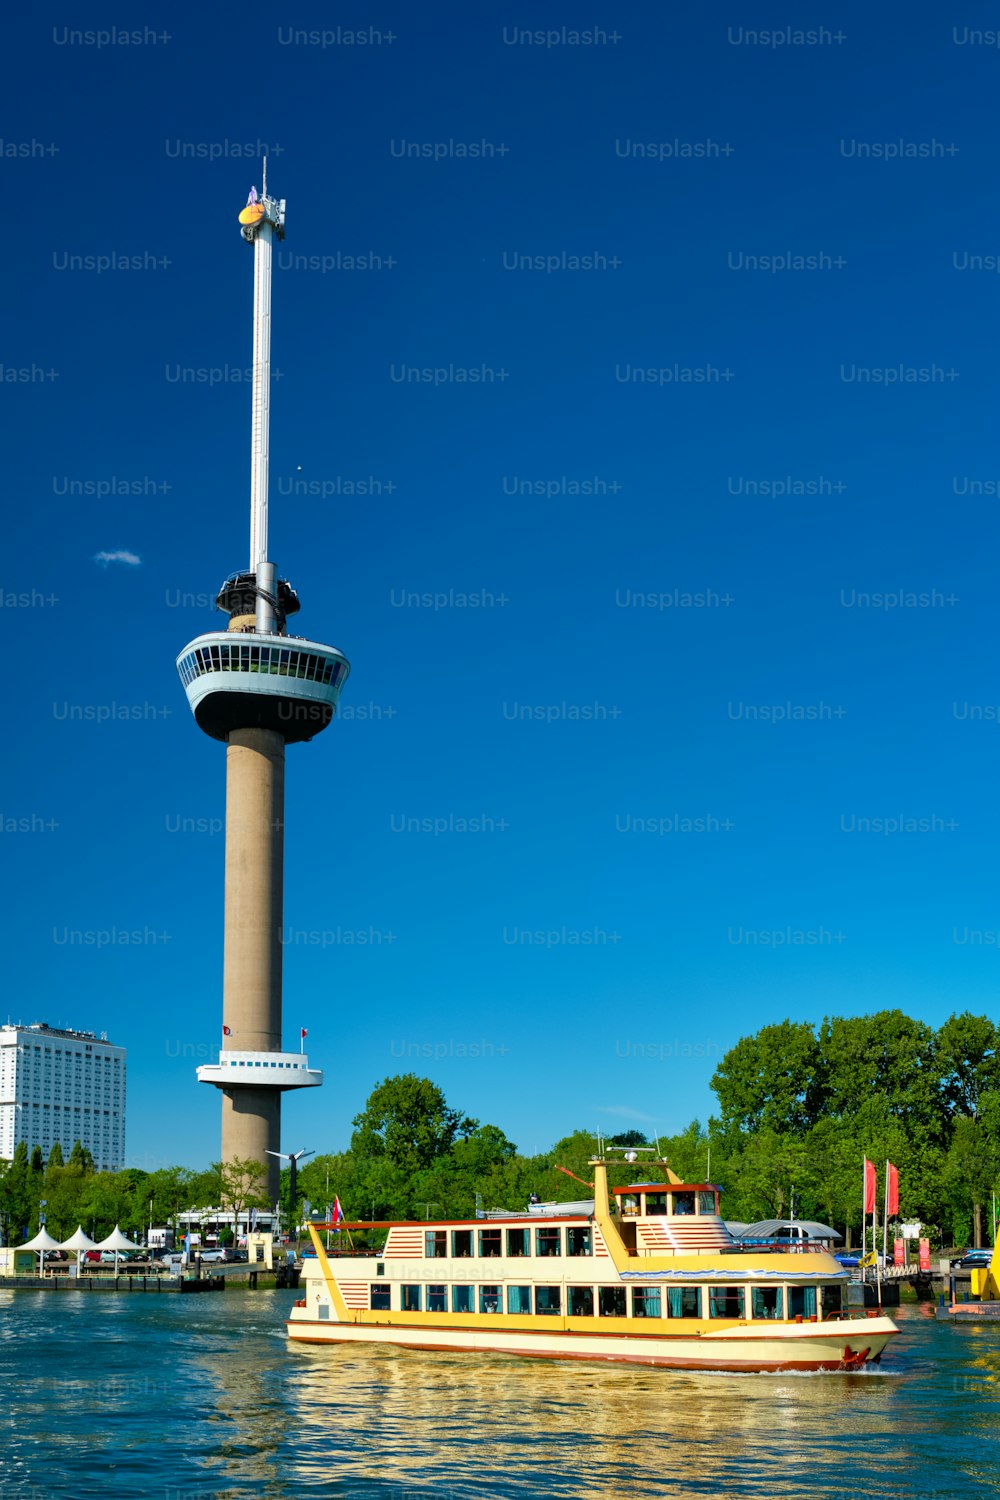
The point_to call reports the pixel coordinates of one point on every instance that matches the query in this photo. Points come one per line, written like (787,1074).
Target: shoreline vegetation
(799,1107)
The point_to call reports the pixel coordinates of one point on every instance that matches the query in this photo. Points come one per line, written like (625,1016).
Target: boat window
(831,1299)
(548,1299)
(461,1299)
(519,1242)
(381,1297)
(437,1298)
(548,1241)
(801,1301)
(489,1299)
(645,1302)
(725,1302)
(578,1240)
(461,1244)
(436,1243)
(707,1203)
(766,1302)
(656,1203)
(490,1243)
(630,1204)
(519,1299)
(411,1299)
(684,1302)
(683,1203)
(580,1301)
(611,1301)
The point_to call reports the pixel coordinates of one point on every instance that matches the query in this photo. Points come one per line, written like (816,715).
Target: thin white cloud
(130,559)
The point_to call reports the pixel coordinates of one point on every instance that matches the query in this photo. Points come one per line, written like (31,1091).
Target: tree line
(799,1107)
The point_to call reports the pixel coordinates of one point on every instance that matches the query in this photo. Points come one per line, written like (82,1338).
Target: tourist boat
(658,1280)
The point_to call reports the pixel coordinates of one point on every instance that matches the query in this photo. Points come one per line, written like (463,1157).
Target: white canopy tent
(43,1241)
(117,1242)
(80,1241)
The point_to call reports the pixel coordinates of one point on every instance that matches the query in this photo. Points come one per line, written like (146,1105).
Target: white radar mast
(262,221)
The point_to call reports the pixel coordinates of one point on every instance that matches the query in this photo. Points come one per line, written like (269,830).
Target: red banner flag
(899,1252)
(891,1190)
(869,1186)
(925,1255)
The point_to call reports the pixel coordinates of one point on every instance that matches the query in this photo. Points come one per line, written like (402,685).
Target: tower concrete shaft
(251,984)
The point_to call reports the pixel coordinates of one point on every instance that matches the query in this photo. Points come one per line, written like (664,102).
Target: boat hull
(841,1344)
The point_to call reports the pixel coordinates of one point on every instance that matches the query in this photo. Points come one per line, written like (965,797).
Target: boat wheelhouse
(658,1280)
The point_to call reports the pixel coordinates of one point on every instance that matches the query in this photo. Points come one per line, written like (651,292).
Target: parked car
(971,1258)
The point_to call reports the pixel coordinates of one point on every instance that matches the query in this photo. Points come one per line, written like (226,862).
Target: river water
(202,1398)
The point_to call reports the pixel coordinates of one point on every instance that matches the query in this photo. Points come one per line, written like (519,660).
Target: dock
(986,1311)
(154,1284)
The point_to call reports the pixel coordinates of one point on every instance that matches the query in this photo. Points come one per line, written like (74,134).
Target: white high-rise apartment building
(63,1086)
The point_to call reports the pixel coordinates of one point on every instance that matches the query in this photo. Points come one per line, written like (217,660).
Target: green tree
(80,1157)
(772,1080)
(407,1123)
(241,1183)
(55,1157)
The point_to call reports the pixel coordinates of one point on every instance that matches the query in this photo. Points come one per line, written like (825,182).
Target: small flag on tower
(226,1031)
(303,1033)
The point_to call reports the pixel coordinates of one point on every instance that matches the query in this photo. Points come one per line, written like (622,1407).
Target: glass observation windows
(831,1300)
(656,1204)
(548,1240)
(579,1240)
(630,1205)
(437,1298)
(461,1245)
(519,1299)
(611,1301)
(518,1242)
(461,1299)
(766,1302)
(801,1301)
(436,1244)
(706,1202)
(580,1301)
(683,1203)
(381,1297)
(280,661)
(725,1302)
(410,1298)
(489,1299)
(645,1302)
(490,1243)
(548,1300)
(683,1302)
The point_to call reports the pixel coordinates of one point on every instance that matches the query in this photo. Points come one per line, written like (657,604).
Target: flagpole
(885,1225)
(864,1224)
(878,1268)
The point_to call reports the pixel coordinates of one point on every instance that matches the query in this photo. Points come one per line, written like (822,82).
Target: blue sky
(559,709)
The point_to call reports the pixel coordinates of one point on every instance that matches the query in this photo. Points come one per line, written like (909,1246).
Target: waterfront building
(257,689)
(207,1223)
(62,1086)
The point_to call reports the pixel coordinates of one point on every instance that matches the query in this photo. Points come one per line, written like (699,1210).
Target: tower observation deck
(257,689)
